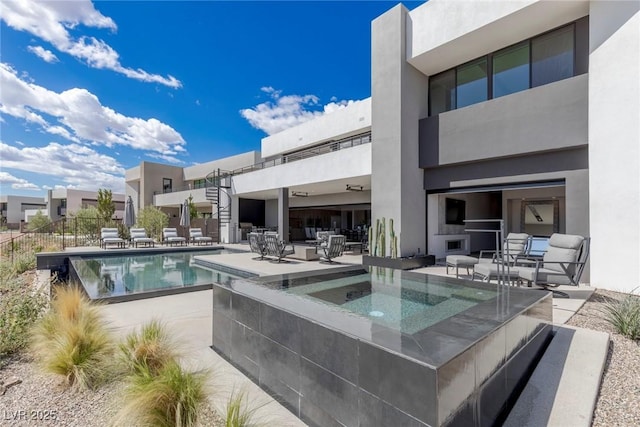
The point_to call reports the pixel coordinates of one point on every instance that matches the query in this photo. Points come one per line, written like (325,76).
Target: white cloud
(44,54)
(17,183)
(81,117)
(77,166)
(52,20)
(169,159)
(283,112)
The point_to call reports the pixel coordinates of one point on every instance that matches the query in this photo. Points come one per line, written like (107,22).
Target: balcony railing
(318,150)
(183,188)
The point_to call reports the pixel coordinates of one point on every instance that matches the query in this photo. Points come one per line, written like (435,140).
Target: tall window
(166,185)
(442,92)
(552,56)
(538,61)
(511,70)
(471,81)
(199,183)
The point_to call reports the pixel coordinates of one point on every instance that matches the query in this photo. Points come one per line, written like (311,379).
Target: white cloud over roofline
(81,117)
(283,112)
(17,183)
(77,166)
(51,20)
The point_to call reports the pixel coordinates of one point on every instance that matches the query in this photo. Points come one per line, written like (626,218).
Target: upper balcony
(546,118)
(178,195)
(351,120)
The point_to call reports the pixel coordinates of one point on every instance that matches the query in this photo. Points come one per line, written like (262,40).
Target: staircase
(218,184)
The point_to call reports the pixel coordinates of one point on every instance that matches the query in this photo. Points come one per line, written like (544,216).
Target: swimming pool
(372,346)
(118,277)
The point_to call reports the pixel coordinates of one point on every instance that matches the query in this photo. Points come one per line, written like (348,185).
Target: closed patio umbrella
(129,213)
(185,218)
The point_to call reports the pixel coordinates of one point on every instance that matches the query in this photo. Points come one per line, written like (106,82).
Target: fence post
(64,240)
(12,249)
(75,232)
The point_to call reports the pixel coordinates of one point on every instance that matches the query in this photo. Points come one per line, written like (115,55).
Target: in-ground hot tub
(367,346)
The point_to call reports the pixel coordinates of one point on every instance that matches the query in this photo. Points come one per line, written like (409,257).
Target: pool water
(387,298)
(112,276)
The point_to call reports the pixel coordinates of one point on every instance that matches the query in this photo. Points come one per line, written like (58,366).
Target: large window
(535,62)
(471,80)
(511,70)
(442,92)
(199,183)
(166,185)
(552,57)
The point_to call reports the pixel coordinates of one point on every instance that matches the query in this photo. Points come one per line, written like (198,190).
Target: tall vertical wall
(399,100)
(614,143)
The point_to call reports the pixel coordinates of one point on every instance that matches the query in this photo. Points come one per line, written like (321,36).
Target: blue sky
(88,90)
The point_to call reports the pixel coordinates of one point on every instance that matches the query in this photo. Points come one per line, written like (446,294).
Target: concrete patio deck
(569,401)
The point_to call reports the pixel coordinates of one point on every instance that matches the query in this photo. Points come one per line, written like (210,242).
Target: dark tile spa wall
(328,378)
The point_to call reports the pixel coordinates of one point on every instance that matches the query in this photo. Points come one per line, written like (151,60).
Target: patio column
(283,213)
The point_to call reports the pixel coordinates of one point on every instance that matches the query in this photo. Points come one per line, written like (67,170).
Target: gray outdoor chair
(109,236)
(170,237)
(139,236)
(277,248)
(257,244)
(195,235)
(515,247)
(333,248)
(562,263)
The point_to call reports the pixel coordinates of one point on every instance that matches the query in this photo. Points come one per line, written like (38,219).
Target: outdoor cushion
(545,275)
(110,235)
(562,248)
(488,270)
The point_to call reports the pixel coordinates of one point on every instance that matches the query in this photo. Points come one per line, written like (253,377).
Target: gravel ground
(41,400)
(619,400)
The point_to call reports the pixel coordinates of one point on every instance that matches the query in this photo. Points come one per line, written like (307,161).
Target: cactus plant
(371,239)
(393,240)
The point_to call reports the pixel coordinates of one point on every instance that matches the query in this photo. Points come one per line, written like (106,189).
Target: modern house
(13,208)
(521,111)
(61,202)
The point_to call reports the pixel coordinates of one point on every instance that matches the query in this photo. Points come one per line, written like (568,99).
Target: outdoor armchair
(139,237)
(196,237)
(333,248)
(562,263)
(515,247)
(170,237)
(257,244)
(110,236)
(277,248)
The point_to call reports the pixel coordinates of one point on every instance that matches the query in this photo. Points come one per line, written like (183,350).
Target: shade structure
(185,218)
(129,213)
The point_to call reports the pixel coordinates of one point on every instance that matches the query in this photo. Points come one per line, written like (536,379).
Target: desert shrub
(72,340)
(153,220)
(20,308)
(624,315)
(240,412)
(148,351)
(173,397)
(23,261)
(39,222)
(86,223)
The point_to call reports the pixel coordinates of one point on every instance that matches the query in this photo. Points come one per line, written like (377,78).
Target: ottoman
(458,261)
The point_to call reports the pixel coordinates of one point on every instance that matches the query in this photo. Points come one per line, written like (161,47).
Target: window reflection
(552,57)
(511,70)
(472,83)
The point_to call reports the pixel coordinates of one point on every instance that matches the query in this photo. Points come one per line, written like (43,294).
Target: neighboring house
(14,208)
(61,202)
(525,111)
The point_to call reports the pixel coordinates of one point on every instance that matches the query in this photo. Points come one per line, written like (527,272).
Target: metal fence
(58,235)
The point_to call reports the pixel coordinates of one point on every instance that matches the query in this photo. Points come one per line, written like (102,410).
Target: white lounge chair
(196,236)
(109,236)
(257,244)
(139,237)
(170,237)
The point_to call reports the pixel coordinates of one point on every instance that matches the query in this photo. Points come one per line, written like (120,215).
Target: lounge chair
(139,237)
(257,244)
(515,247)
(109,236)
(333,248)
(170,237)
(277,248)
(562,263)
(196,237)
